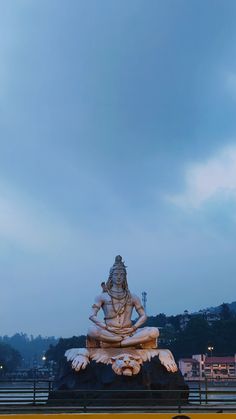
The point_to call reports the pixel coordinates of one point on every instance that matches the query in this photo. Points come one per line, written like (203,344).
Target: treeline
(198,333)
(24,350)
(10,359)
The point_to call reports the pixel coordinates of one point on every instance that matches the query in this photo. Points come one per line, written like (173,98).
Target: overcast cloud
(117,136)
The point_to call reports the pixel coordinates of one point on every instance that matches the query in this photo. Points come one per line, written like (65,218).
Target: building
(189,368)
(220,367)
(213,367)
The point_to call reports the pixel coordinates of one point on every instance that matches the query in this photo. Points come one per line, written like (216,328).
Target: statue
(116,340)
(121,364)
(117,303)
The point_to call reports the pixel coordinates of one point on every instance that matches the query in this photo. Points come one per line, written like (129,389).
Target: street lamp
(211,349)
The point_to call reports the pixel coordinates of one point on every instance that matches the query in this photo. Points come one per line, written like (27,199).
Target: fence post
(179,402)
(206,390)
(34,392)
(85,401)
(200,391)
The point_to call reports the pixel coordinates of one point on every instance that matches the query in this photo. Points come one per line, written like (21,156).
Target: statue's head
(117,274)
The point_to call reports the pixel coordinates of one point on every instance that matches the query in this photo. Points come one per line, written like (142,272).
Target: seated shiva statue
(117,303)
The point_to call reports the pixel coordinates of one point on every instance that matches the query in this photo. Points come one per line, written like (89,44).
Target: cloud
(28,224)
(213,179)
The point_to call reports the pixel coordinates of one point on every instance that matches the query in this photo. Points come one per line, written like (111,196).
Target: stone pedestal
(70,385)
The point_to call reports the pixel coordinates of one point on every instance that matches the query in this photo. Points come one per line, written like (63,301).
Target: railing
(23,396)
(24,392)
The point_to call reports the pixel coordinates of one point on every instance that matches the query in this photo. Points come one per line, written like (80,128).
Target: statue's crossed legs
(143,337)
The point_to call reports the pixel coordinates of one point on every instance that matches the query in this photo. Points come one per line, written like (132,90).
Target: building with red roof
(213,367)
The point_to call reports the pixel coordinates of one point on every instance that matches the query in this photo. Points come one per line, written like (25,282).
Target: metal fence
(22,396)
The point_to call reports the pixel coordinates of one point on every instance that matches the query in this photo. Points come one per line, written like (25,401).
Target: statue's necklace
(117,297)
(121,308)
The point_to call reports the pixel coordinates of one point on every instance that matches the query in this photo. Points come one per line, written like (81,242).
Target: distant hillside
(31,348)
(232,307)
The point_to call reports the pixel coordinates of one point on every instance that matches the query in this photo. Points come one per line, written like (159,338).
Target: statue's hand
(80,362)
(112,329)
(127,330)
(122,331)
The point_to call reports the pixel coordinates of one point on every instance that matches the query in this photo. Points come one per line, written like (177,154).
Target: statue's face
(118,277)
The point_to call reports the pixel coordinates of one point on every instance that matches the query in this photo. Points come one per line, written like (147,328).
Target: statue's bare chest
(119,308)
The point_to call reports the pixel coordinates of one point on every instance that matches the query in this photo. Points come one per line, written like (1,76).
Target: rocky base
(97,379)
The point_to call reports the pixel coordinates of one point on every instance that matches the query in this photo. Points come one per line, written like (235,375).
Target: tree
(29,347)
(10,358)
(194,339)
(225,313)
(156,321)
(224,337)
(56,353)
(175,321)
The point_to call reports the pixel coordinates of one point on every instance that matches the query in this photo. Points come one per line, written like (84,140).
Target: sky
(117,136)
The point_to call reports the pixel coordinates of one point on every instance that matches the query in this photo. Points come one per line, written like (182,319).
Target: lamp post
(44,369)
(211,349)
(144,300)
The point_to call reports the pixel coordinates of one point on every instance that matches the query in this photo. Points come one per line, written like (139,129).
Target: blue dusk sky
(117,136)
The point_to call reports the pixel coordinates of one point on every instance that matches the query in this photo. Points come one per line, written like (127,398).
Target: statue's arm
(140,310)
(95,309)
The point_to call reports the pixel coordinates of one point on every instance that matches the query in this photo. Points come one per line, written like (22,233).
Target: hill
(217,309)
